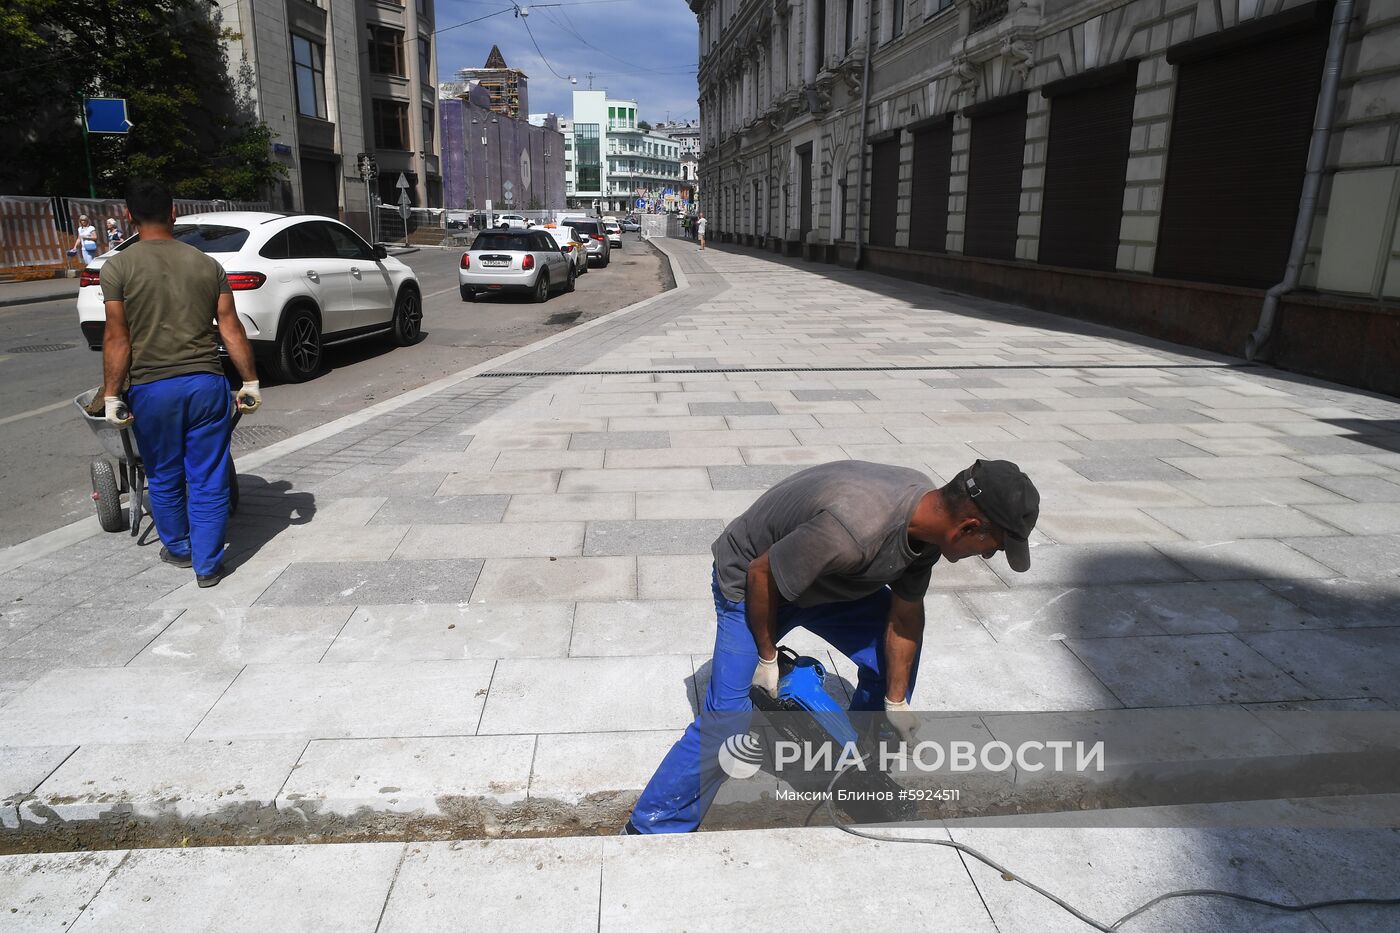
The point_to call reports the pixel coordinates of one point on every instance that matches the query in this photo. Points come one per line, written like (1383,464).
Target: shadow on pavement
(265,510)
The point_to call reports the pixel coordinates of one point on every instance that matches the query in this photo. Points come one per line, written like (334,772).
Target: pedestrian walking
(113,233)
(162,299)
(700,224)
(85,246)
(844,550)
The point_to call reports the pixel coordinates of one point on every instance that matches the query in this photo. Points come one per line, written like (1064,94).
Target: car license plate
(495,262)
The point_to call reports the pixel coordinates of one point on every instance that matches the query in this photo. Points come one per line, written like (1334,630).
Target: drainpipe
(1258,341)
(864,118)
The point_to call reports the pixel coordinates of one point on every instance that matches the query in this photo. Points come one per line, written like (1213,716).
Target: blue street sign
(641,203)
(106,115)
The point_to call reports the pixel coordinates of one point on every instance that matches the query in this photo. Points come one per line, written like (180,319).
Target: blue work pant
(184,426)
(681,791)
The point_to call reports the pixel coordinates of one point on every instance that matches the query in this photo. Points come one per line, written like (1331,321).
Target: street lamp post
(486,160)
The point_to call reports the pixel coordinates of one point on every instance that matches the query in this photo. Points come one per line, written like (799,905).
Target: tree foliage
(193,122)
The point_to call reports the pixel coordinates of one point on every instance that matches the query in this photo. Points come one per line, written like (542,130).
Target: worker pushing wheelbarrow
(166,411)
(128,477)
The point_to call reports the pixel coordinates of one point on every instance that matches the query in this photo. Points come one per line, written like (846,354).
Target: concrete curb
(19,554)
(37,299)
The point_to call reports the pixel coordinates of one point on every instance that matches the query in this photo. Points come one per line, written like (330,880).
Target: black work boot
(175,560)
(206,580)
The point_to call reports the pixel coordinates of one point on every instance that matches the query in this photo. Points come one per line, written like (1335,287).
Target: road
(45,449)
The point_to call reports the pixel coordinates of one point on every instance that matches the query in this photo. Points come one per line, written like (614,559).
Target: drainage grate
(977,367)
(42,348)
(256,435)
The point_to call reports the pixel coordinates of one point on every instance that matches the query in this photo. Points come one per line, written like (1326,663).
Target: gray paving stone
(180,780)
(1094,564)
(1343,663)
(635,480)
(632,627)
(1370,557)
(229,638)
(567,578)
(516,884)
(1133,449)
(1358,518)
(417,775)
(1013,676)
(573,506)
(112,705)
(749,477)
(831,395)
(1226,468)
(732,408)
(619,440)
(354,700)
(441,510)
(310,887)
(588,695)
(372,583)
(455,630)
(1126,468)
(674,576)
(640,882)
(508,539)
(1246,559)
(1054,614)
(1206,607)
(91,637)
(476,484)
(1242,521)
(1362,488)
(573,767)
(49,892)
(674,536)
(1101,526)
(21,771)
(1185,670)
(1343,603)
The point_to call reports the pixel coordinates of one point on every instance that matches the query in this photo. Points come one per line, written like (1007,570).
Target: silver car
(591,231)
(515,261)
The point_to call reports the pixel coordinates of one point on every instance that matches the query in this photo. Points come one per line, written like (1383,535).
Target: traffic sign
(369,166)
(402,184)
(106,115)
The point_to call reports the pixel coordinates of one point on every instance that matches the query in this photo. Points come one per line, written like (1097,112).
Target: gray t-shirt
(833,533)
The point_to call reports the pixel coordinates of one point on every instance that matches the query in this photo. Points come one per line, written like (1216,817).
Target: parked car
(299,283)
(515,261)
(631,224)
(614,232)
(592,233)
(571,244)
(512,221)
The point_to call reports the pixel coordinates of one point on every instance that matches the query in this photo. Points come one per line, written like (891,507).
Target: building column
(1033,176)
(1147,166)
(813,43)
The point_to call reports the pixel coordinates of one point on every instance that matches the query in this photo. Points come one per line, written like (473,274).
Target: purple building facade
(518,167)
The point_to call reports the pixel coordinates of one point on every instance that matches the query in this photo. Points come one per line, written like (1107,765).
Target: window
(897,18)
(589,174)
(386,51)
(850,24)
(425,60)
(308,241)
(212,238)
(344,243)
(427,126)
(391,124)
(309,62)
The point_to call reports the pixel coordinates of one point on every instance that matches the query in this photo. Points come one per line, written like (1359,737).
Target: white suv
(299,282)
(512,221)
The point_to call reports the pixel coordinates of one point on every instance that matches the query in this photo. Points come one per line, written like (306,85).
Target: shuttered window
(928,210)
(884,192)
(995,159)
(1235,165)
(1085,173)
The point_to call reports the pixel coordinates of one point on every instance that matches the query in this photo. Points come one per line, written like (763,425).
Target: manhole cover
(41,348)
(256,435)
(564,317)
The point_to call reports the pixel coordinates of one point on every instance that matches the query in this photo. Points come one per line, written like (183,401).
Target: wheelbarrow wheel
(106,496)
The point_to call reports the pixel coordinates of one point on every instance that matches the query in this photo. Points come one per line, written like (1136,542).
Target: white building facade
(1139,163)
(612,161)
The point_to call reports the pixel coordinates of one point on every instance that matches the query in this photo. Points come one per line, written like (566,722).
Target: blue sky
(641,49)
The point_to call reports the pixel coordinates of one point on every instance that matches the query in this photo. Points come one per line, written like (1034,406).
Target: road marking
(441,292)
(35,411)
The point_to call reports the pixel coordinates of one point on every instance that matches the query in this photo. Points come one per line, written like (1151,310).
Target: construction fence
(36,233)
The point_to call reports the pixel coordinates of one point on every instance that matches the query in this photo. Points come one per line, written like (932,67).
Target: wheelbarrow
(129,475)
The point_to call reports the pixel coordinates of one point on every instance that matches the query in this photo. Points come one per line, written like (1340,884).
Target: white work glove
(766,676)
(902,720)
(248,398)
(117,414)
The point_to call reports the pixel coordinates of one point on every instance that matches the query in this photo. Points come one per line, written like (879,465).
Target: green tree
(193,123)
(644,126)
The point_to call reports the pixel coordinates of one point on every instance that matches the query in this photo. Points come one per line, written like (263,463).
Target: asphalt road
(45,449)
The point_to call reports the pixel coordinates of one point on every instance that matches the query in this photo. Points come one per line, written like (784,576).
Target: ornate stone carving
(967,75)
(1020,52)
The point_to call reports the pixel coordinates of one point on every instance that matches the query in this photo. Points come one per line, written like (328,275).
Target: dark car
(592,232)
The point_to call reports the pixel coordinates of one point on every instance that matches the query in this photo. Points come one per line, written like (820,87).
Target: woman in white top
(86,241)
(113,233)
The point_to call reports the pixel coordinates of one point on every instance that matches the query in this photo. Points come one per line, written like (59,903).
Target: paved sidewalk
(489,607)
(37,290)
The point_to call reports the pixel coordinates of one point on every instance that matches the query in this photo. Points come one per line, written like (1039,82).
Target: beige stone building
(1137,163)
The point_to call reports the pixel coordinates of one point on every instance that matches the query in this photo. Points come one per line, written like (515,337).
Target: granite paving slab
(372,582)
(588,695)
(446,631)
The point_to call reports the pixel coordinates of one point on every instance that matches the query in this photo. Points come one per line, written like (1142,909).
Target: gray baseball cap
(1009,500)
